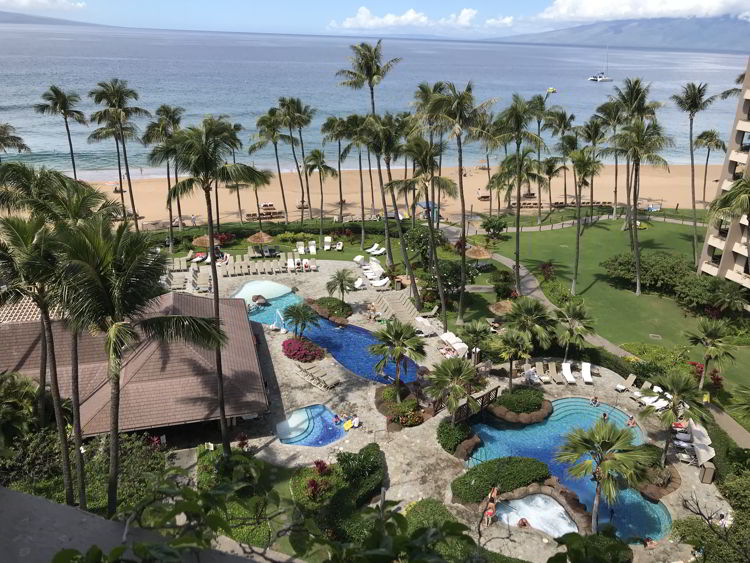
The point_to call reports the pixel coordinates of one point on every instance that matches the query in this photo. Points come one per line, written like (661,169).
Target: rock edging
(466,448)
(503,413)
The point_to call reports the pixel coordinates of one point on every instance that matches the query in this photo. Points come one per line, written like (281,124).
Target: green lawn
(620,315)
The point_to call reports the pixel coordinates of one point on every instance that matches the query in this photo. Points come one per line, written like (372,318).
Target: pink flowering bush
(302,350)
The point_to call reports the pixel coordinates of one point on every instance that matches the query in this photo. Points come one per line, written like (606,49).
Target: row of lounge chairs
(328,244)
(178,265)
(323,380)
(546,372)
(268,214)
(456,346)
(642,396)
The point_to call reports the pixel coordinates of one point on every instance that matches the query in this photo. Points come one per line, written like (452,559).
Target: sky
(471,18)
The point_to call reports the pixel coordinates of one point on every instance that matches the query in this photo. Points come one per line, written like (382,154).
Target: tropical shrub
(494,227)
(450,274)
(503,282)
(505,473)
(409,419)
(521,399)
(449,436)
(301,350)
(334,306)
(559,293)
(313,490)
(404,407)
(418,242)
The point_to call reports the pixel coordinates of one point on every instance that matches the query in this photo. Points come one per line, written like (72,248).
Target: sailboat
(602,76)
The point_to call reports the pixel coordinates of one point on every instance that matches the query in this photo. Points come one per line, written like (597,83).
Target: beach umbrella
(699,434)
(478,253)
(201,241)
(704,453)
(260,238)
(501,307)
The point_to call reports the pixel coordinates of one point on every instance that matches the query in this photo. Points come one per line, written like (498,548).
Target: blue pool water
(350,346)
(279,297)
(634,516)
(309,426)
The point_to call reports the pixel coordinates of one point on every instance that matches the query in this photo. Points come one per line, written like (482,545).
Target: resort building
(725,251)
(161,384)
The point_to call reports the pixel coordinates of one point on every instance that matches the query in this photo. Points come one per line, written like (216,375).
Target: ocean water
(241,75)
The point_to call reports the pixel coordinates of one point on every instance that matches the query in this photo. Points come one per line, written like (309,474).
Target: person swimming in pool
(594,402)
(337,419)
(605,416)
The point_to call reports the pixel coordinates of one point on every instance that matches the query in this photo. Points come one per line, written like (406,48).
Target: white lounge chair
(373,248)
(358,259)
(586,373)
(311,247)
(622,387)
(379,252)
(637,394)
(568,374)
(313,265)
(461,349)
(684,436)
(339,246)
(327,243)
(381,285)
(300,247)
(359,284)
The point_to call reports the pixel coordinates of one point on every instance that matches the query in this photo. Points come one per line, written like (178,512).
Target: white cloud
(365,19)
(499,21)
(631,9)
(42,4)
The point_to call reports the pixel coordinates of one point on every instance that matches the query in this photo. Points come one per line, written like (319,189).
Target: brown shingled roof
(160,384)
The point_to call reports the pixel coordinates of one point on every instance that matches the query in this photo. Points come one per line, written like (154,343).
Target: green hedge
(505,473)
(429,513)
(449,436)
(335,306)
(521,399)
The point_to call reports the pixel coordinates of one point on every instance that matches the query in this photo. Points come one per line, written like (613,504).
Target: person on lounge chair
(489,512)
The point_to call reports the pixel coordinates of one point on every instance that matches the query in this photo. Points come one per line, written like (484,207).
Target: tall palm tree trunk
(703,373)
(341,194)
(538,169)
(119,178)
(388,251)
(591,191)
(70,146)
(510,375)
(489,177)
(307,179)
(461,295)
(115,362)
(361,200)
(402,244)
(705,176)
(57,405)
(614,203)
(299,175)
(517,265)
(40,402)
(439,191)
(219,371)
(565,181)
(435,264)
(628,207)
(77,434)
(320,177)
(179,205)
(372,184)
(636,173)
(578,240)
(239,207)
(257,206)
(281,182)
(692,195)
(216,190)
(127,175)
(169,208)
(595,508)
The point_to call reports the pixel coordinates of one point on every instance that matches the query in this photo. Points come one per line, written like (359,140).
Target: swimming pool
(279,297)
(634,516)
(309,426)
(350,346)
(542,512)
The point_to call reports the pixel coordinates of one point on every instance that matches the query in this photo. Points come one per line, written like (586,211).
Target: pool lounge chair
(540,372)
(684,436)
(300,247)
(290,265)
(359,283)
(568,374)
(340,246)
(311,247)
(431,313)
(552,371)
(461,349)
(358,259)
(379,252)
(313,265)
(305,265)
(687,458)
(372,249)
(327,242)
(381,285)
(622,387)
(637,394)
(586,373)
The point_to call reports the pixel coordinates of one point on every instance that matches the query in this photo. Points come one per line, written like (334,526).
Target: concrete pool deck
(417,466)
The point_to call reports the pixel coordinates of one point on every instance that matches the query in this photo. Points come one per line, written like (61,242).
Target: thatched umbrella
(501,307)
(201,241)
(260,238)
(478,253)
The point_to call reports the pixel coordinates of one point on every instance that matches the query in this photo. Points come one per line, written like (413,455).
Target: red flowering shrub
(224,238)
(302,350)
(716,379)
(697,370)
(321,467)
(315,488)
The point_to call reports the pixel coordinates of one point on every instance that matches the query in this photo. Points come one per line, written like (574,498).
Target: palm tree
(732,203)
(574,324)
(59,102)
(451,381)
(341,281)
(513,345)
(269,128)
(592,132)
(684,400)
(334,130)
(730,298)
(709,140)
(611,115)
(641,142)
(457,111)
(255,185)
(475,335)
(585,165)
(397,342)
(713,336)
(424,96)
(28,266)
(159,133)
(202,151)
(17,397)
(316,161)
(541,112)
(693,100)
(354,132)
(111,130)
(608,455)
(380,141)
(116,96)
(517,118)
(559,123)
(734,92)
(484,132)
(172,115)
(532,319)
(9,140)
(368,68)
(114,277)
(296,115)
(551,168)
(301,316)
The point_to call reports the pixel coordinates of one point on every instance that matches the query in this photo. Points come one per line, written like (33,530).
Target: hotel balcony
(743,125)
(716,242)
(740,248)
(743,221)
(710,268)
(738,277)
(738,156)
(726,185)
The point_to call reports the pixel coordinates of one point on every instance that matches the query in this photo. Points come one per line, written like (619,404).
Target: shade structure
(501,307)
(478,253)
(704,453)
(260,238)
(699,434)
(429,206)
(201,241)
